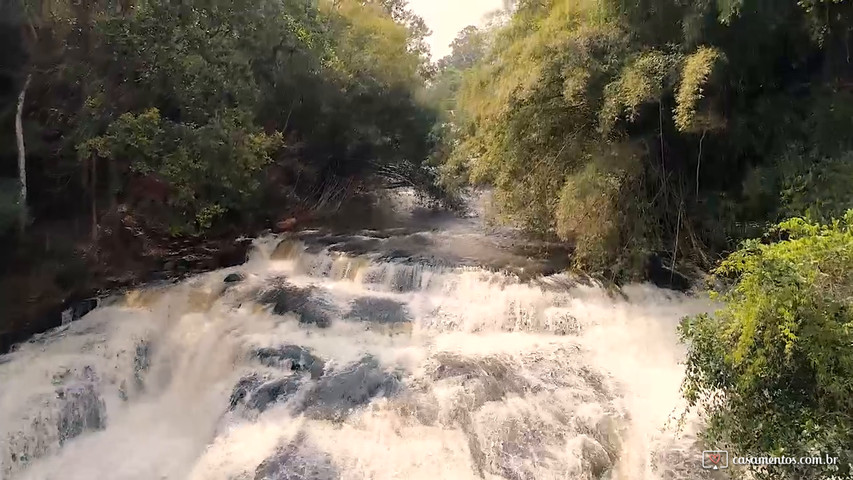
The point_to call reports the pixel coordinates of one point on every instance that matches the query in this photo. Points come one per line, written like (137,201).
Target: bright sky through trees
(447,17)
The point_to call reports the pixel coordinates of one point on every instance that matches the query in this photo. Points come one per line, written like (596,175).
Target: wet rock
(244,388)
(230,254)
(332,397)
(310,308)
(285,225)
(272,392)
(258,394)
(398,254)
(664,276)
(298,461)
(292,357)
(380,310)
(81,308)
(234,278)
(357,246)
(141,362)
(486,379)
(334,239)
(82,409)
(337,394)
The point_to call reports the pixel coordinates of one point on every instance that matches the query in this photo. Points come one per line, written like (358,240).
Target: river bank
(59,275)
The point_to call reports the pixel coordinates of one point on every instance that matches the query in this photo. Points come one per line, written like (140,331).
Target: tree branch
(22,156)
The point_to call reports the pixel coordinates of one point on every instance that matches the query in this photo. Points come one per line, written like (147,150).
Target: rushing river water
(383,355)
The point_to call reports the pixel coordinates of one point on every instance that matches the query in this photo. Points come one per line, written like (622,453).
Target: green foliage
(242,108)
(809,176)
(818,188)
(711,107)
(642,81)
(468,48)
(212,169)
(597,208)
(698,68)
(773,368)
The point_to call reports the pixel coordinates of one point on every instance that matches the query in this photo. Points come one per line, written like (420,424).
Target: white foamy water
(323,365)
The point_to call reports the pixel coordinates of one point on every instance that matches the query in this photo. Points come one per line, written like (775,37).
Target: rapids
(435,352)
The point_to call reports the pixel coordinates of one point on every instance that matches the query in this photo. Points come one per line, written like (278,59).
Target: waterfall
(344,359)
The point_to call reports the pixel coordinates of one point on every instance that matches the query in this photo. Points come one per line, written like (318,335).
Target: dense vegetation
(774,368)
(655,126)
(683,129)
(200,114)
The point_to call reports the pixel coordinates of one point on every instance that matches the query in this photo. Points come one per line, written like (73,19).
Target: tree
(467,49)
(662,103)
(236,108)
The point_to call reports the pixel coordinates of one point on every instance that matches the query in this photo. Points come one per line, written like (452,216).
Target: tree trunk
(22,157)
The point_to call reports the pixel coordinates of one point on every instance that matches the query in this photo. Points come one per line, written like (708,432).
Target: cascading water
(330,358)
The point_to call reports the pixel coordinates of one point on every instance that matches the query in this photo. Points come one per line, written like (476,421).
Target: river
(436,348)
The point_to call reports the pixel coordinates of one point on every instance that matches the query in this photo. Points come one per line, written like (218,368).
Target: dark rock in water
(334,239)
(665,277)
(357,246)
(336,394)
(234,253)
(492,377)
(293,357)
(81,308)
(244,389)
(272,392)
(297,461)
(332,397)
(381,310)
(81,408)
(234,278)
(141,362)
(257,393)
(310,308)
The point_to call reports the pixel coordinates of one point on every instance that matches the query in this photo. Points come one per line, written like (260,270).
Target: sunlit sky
(447,17)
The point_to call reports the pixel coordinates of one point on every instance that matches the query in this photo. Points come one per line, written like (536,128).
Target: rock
(285,225)
(259,393)
(380,310)
(292,357)
(244,389)
(287,298)
(234,278)
(665,277)
(337,394)
(82,409)
(233,253)
(141,362)
(272,392)
(331,397)
(298,461)
(80,309)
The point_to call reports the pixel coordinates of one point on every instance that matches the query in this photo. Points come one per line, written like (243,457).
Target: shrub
(773,369)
